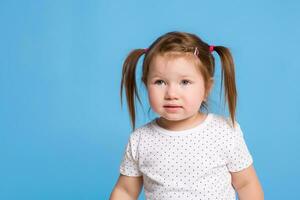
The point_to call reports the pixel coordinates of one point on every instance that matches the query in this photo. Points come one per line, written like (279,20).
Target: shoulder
(141,130)
(224,122)
(226,134)
(224,127)
(139,135)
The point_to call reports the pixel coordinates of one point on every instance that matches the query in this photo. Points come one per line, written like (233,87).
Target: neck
(184,124)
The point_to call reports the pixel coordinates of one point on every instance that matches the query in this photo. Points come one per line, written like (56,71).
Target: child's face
(175,87)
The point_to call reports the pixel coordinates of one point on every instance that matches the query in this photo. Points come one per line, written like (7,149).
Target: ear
(209,87)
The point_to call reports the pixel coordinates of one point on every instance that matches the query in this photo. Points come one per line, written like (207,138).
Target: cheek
(153,96)
(195,98)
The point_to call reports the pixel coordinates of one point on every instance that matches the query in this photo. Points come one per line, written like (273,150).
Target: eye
(159,82)
(185,82)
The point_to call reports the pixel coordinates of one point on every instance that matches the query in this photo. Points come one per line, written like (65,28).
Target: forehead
(175,63)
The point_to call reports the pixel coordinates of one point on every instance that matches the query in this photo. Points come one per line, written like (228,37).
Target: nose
(171,92)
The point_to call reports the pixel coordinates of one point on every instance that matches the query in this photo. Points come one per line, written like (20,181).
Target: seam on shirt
(138,147)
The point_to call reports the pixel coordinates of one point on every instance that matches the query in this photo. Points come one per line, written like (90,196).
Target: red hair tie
(211,48)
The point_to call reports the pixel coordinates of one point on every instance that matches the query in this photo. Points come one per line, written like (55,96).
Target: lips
(172,106)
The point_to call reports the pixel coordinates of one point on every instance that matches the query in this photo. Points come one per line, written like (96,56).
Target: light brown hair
(180,42)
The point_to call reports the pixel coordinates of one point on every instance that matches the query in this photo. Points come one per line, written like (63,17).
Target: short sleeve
(239,156)
(129,165)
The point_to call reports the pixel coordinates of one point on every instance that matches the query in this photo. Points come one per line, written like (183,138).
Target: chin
(173,118)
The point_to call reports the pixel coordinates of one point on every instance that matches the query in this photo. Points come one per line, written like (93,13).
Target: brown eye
(185,82)
(159,82)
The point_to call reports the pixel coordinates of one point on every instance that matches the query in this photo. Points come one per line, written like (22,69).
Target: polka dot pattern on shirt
(190,164)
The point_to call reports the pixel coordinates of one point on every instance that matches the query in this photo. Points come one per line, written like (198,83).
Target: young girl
(185,153)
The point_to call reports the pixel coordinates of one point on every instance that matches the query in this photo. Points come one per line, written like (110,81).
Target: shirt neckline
(182,132)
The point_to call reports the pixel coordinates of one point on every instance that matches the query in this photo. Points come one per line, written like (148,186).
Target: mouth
(172,108)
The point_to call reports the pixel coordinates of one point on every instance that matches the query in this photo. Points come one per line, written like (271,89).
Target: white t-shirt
(189,164)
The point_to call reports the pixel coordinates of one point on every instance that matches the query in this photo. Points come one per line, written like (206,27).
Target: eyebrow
(182,76)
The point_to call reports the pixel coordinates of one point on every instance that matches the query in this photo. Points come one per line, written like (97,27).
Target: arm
(247,185)
(127,188)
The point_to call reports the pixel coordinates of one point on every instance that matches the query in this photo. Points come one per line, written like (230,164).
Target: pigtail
(129,82)
(228,74)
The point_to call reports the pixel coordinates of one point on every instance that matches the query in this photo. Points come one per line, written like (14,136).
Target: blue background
(62,129)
